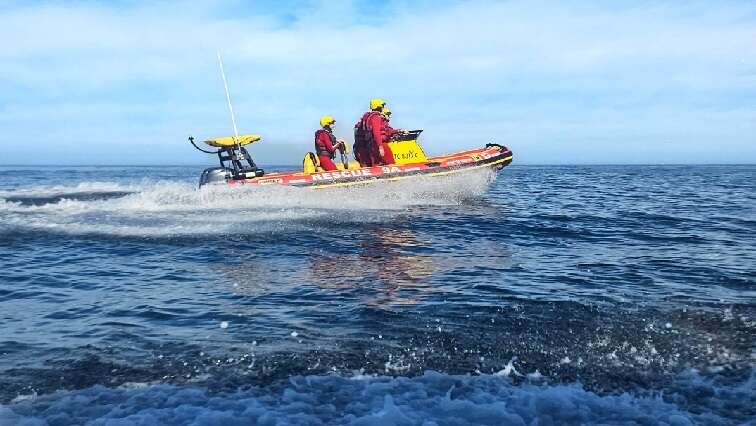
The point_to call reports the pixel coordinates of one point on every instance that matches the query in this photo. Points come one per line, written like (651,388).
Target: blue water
(552,295)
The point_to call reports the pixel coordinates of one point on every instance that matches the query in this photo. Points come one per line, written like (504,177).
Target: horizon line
(297,165)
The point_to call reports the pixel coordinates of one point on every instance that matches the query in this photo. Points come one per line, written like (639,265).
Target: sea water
(552,295)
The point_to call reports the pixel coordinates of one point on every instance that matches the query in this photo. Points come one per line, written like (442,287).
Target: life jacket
(363,132)
(320,149)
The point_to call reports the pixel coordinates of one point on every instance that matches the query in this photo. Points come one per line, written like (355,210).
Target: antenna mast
(228,101)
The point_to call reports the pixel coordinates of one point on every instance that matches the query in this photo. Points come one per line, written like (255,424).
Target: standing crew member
(326,143)
(390,131)
(370,138)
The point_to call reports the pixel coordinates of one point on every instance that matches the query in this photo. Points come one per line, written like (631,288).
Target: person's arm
(390,131)
(378,127)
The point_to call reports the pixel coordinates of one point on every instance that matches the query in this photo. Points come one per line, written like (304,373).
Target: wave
(175,208)
(432,398)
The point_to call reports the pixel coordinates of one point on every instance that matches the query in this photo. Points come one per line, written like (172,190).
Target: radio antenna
(228,101)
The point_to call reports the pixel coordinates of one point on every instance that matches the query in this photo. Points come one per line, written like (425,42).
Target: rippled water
(562,295)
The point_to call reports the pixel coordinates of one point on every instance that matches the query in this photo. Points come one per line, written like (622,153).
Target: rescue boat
(238,168)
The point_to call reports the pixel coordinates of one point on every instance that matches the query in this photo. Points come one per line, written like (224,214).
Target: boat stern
(215,175)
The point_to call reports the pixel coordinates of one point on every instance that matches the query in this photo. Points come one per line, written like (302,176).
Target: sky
(621,82)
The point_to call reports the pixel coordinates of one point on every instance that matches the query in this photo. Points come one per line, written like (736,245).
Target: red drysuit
(371,140)
(325,148)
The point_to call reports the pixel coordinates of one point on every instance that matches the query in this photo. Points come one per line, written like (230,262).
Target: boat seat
(310,163)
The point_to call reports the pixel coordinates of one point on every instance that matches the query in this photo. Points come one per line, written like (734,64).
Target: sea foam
(430,399)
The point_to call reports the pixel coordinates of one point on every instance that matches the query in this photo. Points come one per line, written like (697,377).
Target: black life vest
(363,132)
(320,149)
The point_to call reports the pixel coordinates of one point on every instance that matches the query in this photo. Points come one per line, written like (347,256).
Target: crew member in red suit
(390,131)
(326,143)
(370,137)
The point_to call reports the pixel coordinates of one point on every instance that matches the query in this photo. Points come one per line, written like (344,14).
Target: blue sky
(126,82)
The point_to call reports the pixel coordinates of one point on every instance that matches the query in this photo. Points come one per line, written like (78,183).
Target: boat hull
(489,157)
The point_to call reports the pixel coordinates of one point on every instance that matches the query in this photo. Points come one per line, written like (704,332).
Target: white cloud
(475,69)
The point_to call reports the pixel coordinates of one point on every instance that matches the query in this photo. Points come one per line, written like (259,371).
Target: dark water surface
(561,295)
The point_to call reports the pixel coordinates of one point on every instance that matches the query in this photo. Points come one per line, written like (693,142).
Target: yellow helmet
(386,112)
(376,104)
(326,120)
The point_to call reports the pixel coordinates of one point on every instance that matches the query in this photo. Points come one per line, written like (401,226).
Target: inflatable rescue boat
(237,166)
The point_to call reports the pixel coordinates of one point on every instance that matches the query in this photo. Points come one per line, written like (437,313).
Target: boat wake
(175,208)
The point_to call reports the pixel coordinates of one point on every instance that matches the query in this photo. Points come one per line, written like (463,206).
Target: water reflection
(378,268)
(396,264)
(385,263)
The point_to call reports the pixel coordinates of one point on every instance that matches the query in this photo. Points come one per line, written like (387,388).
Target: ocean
(552,295)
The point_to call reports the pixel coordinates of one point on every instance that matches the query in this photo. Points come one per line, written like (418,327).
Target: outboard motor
(214,175)
(235,161)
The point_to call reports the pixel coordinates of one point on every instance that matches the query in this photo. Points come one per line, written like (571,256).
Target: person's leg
(388,155)
(326,163)
(365,157)
(376,154)
(357,152)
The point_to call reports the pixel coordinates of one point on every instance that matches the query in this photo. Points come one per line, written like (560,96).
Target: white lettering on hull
(459,162)
(391,169)
(337,174)
(269,181)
